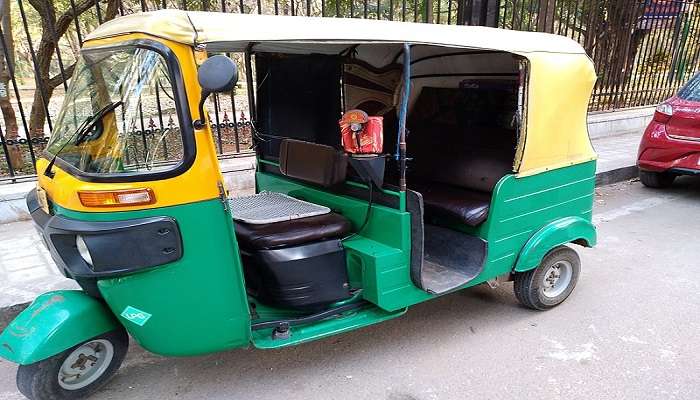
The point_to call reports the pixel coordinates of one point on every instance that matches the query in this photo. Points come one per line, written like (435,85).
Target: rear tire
(656,180)
(551,282)
(77,372)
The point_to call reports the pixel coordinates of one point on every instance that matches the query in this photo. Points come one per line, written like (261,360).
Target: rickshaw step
(309,318)
(367,314)
(452,259)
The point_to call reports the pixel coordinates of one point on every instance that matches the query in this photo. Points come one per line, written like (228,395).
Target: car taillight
(663,113)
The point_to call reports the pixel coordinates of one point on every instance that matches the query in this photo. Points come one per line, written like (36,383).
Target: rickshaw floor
(451,259)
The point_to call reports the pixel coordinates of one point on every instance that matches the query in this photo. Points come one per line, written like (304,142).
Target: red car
(671,144)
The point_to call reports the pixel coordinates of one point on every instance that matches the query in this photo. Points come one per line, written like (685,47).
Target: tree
(11,130)
(478,12)
(53,27)
(608,29)
(613,38)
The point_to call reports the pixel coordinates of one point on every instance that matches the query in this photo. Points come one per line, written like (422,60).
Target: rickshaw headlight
(83,249)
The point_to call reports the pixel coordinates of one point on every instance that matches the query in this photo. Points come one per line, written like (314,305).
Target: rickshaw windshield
(119,114)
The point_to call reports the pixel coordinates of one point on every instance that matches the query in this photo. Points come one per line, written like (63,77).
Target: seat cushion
(291,233)
(454,204)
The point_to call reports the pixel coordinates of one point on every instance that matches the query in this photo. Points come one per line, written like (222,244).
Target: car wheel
(656,179)
(551,282)
(77,372)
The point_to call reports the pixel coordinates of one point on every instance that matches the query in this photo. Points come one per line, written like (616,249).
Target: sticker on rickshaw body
(133,314)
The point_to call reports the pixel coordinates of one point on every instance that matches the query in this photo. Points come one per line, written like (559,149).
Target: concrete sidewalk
(617,157)
(26,269)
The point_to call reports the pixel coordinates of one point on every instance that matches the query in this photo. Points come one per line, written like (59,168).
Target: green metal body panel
(520,207)
(557,233)
(197,304)
(54,322)
(262,339)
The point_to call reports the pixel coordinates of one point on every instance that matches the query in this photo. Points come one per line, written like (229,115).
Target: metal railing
(643,51)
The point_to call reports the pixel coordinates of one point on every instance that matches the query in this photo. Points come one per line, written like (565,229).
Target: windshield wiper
(81,133)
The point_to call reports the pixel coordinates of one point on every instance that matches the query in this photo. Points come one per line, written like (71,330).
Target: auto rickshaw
(396,163)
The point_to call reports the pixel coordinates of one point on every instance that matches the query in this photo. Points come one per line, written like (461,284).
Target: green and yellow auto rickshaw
(396,163)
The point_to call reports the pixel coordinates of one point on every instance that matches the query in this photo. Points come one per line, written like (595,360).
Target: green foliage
(657,61)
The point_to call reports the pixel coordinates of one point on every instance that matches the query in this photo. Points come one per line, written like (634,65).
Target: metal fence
(643,51)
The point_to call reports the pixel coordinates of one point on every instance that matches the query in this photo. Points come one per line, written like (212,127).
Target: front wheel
(551,282)
(656,180)
(76,372)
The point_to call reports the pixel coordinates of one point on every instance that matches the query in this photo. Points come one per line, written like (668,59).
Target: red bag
(362,134)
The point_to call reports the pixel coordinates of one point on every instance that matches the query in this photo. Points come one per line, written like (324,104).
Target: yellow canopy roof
(194,27)
(561,75)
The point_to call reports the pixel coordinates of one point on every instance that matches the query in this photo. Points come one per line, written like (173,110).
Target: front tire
(551,282)
(77,372)
(657,180)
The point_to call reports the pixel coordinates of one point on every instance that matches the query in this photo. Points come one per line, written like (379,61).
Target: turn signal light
(663,113)
(115,198)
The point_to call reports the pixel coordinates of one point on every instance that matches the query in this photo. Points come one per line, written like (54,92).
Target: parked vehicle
(494,181)
(671,143)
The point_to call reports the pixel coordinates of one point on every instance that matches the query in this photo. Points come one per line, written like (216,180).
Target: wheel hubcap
(557,278)
(85,364)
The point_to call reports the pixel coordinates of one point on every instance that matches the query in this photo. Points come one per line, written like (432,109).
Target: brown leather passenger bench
(451,203)
(462,144)
(458,190)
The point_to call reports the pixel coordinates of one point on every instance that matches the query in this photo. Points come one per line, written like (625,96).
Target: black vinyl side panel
(298,97)
(308,277)
(414,205)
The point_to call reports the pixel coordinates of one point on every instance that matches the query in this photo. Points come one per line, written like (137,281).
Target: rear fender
(557,233)
(54,322)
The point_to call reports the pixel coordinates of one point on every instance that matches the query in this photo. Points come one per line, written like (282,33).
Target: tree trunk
(545,16)
(11,131)
(616,43)
(484,13)
(493,8)
(45,52)
(428,11)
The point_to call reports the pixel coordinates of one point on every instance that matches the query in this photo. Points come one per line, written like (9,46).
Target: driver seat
(292,233)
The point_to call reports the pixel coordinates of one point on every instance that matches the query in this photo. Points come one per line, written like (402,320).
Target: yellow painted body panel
(559,89)
(198,183)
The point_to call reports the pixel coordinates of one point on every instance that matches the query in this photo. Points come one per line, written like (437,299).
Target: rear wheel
(551,282)
(656,179)
(77,372)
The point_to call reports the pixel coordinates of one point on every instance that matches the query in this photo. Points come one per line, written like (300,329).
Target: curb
(616,175)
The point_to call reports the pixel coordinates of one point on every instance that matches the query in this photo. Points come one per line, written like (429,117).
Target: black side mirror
(218,74)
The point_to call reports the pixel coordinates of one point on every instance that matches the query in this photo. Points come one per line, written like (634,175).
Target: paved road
(629,331)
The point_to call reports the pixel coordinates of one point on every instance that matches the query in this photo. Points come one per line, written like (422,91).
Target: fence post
(11,70)
(6,151)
